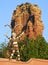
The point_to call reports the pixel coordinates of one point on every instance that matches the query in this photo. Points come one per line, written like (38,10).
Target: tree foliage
(3,49)
(29,48)
(34,49)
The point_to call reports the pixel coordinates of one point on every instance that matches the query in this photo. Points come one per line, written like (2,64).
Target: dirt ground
(30,62)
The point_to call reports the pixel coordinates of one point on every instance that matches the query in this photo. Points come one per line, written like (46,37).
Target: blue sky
(6,10)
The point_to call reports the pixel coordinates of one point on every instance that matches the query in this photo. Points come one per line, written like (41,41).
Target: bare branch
(7,25)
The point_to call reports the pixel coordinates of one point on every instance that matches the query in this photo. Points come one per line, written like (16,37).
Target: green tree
(42,47)
(33,48)
(29,48)
(3,49)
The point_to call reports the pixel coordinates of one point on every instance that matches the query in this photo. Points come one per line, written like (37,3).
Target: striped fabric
(15,45)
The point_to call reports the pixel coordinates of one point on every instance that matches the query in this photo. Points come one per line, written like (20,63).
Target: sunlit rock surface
(27,18)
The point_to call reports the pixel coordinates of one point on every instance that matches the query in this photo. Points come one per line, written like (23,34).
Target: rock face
(26,22)
(27,18)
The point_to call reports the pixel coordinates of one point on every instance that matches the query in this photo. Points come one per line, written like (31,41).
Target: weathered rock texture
(26,22)
(27,18)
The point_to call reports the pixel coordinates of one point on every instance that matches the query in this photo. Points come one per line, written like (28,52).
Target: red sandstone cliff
(27,17)
(26,22)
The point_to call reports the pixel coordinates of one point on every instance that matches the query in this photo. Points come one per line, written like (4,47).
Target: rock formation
(27,18)
(26,22)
